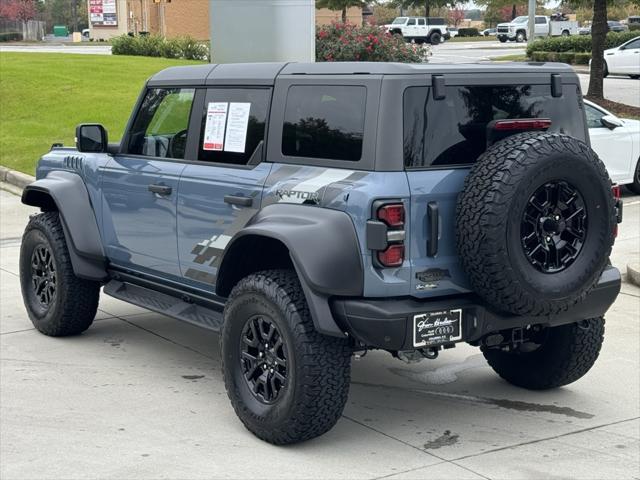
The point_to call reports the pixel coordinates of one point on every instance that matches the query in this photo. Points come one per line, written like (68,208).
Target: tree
(21,10)
(599,29)
(342,5)
(426,4)
(456,15)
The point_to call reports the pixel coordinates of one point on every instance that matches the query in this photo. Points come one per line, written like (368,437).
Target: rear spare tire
(535,223)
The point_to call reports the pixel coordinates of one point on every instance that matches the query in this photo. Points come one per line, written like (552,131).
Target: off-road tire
(319,366)
(521,37)
(635,185)
(502,40)
(435,38)
(567,354)
(75,301)
(491,208)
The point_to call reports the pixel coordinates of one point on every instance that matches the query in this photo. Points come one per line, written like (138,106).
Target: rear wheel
(57,302)
(605,70)
(565,33)
(557,357)
(435,38)
(286,382)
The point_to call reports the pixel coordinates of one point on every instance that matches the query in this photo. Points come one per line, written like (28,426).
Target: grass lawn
(510,58)
(43,96)
(481,38)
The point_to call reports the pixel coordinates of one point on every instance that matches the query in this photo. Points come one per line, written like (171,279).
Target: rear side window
(453,131)
(324,121)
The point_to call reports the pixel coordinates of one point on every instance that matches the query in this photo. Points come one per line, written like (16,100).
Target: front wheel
(635,186)
(435,38)
(287,382)
(521,37)
(502,39)
(57,302)
(557,357)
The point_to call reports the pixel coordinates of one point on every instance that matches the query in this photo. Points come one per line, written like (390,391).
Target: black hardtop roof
(266,73)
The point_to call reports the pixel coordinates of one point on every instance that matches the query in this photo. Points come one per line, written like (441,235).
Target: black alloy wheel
(554,226)
(43,275)
(263,359)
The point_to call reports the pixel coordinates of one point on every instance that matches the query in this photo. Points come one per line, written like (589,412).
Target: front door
(140,186)
(220,193)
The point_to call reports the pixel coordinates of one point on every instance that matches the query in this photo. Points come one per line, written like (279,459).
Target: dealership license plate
(437,328)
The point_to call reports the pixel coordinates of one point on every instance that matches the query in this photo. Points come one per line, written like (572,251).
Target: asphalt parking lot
(141,396)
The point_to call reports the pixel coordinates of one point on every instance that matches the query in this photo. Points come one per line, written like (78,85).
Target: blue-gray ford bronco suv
(310,212)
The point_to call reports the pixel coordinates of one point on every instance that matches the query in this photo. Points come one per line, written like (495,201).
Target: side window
(161,125)
(594,117)
(324,121)
(421,21)
(233,125)
(411,22)
(540,20)
(632,45)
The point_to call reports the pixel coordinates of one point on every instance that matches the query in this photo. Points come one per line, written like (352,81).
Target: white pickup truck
(420,29)
(516,30)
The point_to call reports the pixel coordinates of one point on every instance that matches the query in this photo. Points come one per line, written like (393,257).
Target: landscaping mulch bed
(618,109)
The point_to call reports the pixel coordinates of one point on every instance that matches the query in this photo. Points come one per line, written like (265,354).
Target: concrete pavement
(141,396)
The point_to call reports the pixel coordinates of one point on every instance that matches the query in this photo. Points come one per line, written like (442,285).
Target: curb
(17,179)
(633,273)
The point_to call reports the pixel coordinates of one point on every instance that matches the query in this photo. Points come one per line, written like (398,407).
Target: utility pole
(74,14)
(531,30)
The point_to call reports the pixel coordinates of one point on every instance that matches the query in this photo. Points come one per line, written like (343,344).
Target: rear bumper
(388,323)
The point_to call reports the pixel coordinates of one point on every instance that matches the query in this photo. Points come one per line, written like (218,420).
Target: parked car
(586,30)
(615,26)
(453,31)
(489,32)
(623,60)
(311,211)
(617,143)
(420,29)
(516,30)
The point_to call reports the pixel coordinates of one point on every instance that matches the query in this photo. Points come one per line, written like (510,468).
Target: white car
(623,60)
(617,143)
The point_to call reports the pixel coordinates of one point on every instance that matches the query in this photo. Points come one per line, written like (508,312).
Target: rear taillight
(393,256)
(522,124)
(392,214)
(390,217)
(616,191)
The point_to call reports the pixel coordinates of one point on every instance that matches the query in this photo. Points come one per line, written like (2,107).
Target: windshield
(522,19)
(399,20)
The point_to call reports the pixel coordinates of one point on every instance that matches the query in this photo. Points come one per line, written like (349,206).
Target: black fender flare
(66,193)
(324,249)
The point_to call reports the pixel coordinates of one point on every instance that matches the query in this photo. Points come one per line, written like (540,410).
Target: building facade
(171,18)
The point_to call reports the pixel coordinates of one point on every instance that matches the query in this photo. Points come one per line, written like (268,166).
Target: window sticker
(237,126)
(215,126)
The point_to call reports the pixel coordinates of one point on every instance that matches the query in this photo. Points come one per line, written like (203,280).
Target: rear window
(453,131)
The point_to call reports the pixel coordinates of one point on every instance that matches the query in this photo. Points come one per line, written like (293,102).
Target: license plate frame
(437,328)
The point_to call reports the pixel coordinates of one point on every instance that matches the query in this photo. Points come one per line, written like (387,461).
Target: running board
(165,304)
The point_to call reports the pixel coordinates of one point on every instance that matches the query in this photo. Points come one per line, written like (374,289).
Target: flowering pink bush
(344,42)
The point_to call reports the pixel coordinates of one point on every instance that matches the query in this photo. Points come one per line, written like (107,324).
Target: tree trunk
(599,30)
(344,14)
(514,12)
(427,8)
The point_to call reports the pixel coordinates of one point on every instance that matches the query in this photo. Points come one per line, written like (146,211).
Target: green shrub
(574,58)
(340,42)
(185,48)
(634,27)
(468,32)
(10,37)
(577,43)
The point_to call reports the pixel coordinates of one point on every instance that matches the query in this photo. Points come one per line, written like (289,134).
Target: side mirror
(91,137)
(611,122)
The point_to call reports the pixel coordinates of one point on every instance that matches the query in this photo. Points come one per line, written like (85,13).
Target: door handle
(160,189)
(239,200)
(434,227)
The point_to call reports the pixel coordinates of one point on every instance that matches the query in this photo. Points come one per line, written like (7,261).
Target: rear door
(627,59)
(220,192)
(442,139)
(140,185)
